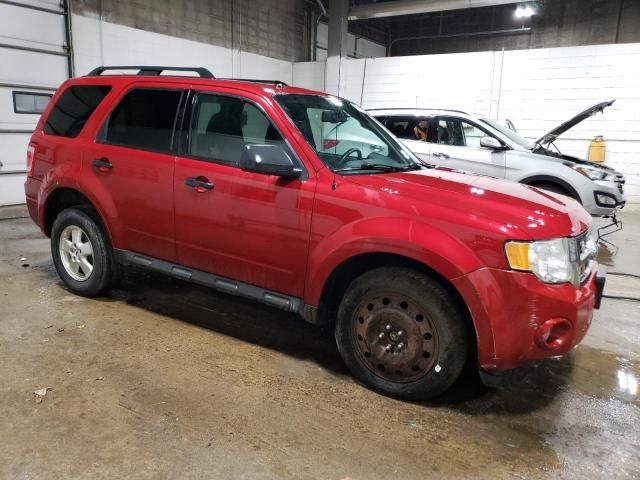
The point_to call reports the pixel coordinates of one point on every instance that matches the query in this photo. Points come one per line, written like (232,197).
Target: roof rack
(277,83)
(152,70)
(418,108)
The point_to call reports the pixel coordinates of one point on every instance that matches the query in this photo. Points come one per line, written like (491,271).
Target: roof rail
(277,83)
(152,70)
(418,108)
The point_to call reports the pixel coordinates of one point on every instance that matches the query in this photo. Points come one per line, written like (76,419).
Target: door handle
(441,156)
(201,184)
(102,164)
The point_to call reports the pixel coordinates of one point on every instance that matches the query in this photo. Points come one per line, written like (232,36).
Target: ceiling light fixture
(524,11)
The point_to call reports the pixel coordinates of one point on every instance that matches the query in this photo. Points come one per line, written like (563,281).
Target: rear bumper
(32,189)
(518,318)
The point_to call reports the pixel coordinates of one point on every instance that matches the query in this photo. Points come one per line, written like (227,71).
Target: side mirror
(268,160)
(491,143)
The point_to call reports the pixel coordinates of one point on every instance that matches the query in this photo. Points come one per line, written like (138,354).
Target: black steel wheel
(401,333)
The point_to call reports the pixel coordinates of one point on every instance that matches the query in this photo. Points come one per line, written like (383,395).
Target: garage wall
(273,28)
(33,62)
(98,42)
(536,89)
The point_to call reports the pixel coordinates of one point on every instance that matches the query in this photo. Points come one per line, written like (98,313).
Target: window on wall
(72,110)
(29,102)
(145,119)
(222,126)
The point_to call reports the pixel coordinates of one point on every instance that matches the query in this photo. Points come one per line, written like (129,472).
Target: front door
(414,132)
(246,226)
(133,167)
(456,144)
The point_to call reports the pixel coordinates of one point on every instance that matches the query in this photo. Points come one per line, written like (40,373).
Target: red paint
(289,235)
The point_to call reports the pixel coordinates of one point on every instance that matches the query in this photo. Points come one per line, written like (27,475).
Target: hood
(502,205)
(572,122)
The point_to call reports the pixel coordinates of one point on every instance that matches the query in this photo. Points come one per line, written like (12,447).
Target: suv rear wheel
(401,333)
(81,252)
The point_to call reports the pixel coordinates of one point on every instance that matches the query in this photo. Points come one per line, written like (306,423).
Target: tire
(390,306)
(74,229)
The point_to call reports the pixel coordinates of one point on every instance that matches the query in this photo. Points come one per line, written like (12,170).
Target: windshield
(510,134)
(346,138)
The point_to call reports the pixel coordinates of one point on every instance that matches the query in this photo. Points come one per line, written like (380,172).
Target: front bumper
(601,198)
(518,318)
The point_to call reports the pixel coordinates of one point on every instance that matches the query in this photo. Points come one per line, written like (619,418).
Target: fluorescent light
(524,11)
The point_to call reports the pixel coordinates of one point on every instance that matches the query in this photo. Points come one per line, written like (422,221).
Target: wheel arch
(64,197)
(535,180)
(351,268)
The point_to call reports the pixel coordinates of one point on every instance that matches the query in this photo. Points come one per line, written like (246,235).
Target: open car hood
(572,122)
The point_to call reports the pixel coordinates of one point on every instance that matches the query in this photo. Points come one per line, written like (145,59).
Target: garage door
(35,58)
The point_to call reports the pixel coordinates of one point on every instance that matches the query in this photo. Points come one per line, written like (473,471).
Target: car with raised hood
(463,141)
(233,184)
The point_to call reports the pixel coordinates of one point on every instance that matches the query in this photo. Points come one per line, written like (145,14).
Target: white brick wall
(536,89)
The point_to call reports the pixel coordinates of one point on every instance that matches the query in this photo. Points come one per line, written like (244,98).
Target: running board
(222,284)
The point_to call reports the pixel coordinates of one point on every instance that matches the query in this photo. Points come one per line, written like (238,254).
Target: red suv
(301,200)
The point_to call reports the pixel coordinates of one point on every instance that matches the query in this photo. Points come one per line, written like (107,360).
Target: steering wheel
(344,156)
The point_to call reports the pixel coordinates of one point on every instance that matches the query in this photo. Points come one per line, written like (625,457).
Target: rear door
(132,164)
(456,144)
(242,225)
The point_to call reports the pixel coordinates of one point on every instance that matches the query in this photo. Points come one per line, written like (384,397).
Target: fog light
(605,200)
(553,334)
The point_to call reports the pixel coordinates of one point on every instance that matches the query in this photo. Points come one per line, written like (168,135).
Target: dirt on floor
(165,379)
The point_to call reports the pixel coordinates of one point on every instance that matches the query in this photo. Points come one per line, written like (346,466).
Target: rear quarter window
(72,110)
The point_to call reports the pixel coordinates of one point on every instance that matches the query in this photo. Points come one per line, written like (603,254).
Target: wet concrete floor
(164,379)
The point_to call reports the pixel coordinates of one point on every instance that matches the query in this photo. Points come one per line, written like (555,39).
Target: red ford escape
(301,200)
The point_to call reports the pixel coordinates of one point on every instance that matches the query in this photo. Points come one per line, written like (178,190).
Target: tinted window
(144,119)
(222,126)
(73,109)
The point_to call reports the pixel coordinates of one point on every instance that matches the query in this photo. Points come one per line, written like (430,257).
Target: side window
(410,127)
(454,131)
(448,131)
(472,135)
(73,108)
(222,126)
(144,119)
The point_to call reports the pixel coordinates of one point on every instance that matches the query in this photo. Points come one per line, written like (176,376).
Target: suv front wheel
(81,252)
(401,333)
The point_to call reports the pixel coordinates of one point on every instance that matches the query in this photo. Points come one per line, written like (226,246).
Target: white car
(462,141)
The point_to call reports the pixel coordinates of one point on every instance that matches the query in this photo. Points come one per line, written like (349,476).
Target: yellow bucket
(597,149)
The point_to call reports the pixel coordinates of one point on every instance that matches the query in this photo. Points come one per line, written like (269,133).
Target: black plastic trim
(222,284)
(152,70)
(604,205)
(601,277)
(556,180)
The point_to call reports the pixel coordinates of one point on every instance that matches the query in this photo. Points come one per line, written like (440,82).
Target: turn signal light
(518,255)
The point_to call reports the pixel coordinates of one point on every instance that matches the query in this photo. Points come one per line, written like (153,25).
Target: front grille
(586,251)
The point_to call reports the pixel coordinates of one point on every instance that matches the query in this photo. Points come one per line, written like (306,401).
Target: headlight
(594,173)
(552,261)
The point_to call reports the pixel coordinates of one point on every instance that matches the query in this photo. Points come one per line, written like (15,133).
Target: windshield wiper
(380,167)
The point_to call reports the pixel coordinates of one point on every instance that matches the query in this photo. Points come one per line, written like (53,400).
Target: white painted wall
(536,89)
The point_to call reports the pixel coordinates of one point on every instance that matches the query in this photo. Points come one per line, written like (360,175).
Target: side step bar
(225,285)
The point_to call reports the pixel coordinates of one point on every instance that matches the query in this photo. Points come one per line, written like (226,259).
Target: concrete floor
(164,379)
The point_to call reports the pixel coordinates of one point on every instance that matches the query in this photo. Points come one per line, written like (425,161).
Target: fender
(438,250)
(553,180)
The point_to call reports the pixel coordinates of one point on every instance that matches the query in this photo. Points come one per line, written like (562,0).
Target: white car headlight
(594,173)
(552,261)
